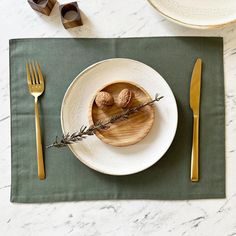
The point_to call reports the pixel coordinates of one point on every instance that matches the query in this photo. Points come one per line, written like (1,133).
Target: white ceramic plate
(104,157)
(197,13)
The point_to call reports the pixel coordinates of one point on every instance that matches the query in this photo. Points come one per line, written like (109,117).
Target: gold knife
(195,93)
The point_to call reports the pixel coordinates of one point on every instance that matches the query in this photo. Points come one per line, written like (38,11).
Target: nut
(104,100)
(125,98)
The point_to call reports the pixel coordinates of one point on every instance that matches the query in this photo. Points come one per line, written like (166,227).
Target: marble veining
(112,18)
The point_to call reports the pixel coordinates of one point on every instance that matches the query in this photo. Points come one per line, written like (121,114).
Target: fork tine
(32,73)
(35,73)
(28,74)
(40,76)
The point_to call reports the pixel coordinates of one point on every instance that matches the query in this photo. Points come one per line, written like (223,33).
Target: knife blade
(195,96)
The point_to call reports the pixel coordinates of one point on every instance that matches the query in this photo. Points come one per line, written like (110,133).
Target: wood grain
(42,6)
(126,132)
(70,23)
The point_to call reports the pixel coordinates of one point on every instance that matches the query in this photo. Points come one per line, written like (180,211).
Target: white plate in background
(202,14)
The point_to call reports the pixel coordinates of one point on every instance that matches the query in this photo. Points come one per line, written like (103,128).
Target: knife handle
(195,150)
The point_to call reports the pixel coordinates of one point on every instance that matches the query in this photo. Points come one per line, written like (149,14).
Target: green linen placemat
(70,180)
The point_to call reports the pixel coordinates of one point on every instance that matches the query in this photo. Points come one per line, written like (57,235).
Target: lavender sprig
(85,131)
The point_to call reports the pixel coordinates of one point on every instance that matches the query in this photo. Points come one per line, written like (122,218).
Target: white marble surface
(112,18)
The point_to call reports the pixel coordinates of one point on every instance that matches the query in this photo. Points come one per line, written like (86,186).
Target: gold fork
(36,88)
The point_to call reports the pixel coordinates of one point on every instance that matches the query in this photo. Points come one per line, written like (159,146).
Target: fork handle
(41,172)
(195,150)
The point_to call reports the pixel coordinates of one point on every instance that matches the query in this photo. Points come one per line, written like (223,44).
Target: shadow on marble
(54,18)
(86,30)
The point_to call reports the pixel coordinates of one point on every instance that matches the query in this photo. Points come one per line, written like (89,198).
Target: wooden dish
(126,132)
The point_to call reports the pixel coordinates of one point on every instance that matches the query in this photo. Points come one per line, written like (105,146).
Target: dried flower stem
(88,131)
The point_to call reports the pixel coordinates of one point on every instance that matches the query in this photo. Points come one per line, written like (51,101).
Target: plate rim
(193,26)
(63,128)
